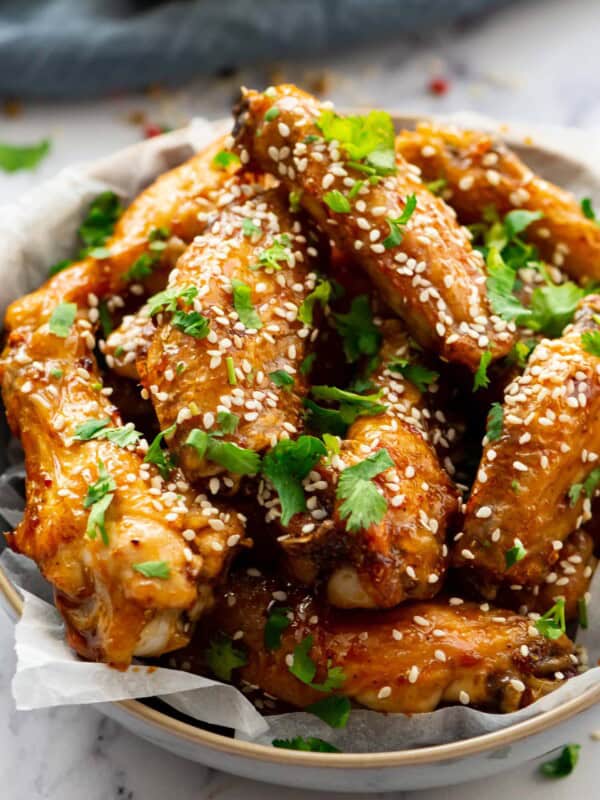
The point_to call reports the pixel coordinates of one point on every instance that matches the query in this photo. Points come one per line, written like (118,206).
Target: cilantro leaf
(415,373)
(351,405)
(369,138)
(279,251)
(226,422)
(96,523)
(222,657)
(320,294)
(553,307)
(161,458)
(272,114)
(481,380)
(99,222)
(153,569)
(500,285)
(233,458)
(325,420)
(396,225)
(97,429)
(437,187)
(191,323)
(167,299)
(62,319)
(590,341)
(582,612)
(334,710)
(249,228)
(552,624)
(142,267)
(590,484)
(495,422)
(307,362)
(103,486)
(286,465)
(14,157)
(308,744)
(242,302)
(563,765)
(90,429)
(514,554)
(305,669)
(337,202)
(59,266)
(363,505)
(225,159)
(516,221)
(574,493)
(521,351)
(360,335)
(588,209)
(282,379)
(277,622)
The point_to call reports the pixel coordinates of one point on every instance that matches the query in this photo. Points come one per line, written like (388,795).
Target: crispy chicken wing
(250,283)
(410,659)
(532,489)
(132,560)
(174,209)
(427,272)
(480,171)
(403,555)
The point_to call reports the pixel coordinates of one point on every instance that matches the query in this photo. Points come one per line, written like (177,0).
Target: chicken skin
(129,343)
(411,659)
(479,171)
(403,555)
(249,274)
(132,560)
(417,256)
(536,478)
(147,240)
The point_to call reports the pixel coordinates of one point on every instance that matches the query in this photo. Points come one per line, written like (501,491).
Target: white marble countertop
(536,62)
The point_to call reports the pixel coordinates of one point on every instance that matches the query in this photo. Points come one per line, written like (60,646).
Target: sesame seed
(464,698)
(413,674)
(384,692)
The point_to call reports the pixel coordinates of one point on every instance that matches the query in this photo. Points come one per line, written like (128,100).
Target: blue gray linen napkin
(79,48)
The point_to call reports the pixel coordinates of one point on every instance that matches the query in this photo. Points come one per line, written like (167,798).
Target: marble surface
(537,62)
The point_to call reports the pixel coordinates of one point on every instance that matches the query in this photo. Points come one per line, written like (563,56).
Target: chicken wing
(129,343)
(479,171)
(170,212)
(402,556)
(421,261)
(537,474)
(132,560)
(251,273)
(410,659)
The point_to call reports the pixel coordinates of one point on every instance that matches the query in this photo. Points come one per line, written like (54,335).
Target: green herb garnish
(242,302)
(310,744)
(363,506)
(563,765)
(277,622)
(20,157)
(360,335)
(482,380)
(552,624)
(62,319)
(222,657)
(153,569)
(286,465)
(396,225)
(337,202)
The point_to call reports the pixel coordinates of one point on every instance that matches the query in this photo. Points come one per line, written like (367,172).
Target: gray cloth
(80,48)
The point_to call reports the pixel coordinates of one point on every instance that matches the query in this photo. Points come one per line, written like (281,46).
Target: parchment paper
(40,229)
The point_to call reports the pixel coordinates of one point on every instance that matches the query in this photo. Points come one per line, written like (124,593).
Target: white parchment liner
(39,229)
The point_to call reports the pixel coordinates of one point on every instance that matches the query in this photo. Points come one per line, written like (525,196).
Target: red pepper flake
(152,129)
(439,86)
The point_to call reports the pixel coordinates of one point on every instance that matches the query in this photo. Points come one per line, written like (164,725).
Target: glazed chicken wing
(479,171)
(538,474)
(422,262)
(132,560)
(403,555)
(169,213)
(410,659)
(249,275)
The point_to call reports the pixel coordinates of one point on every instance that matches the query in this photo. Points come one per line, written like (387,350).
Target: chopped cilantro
(161,458)
(62,319)
(590,341)
(142,267)
(437,187)
(553,307)
(356,187)
(277,622)
(191,323)
(481,380)
(516,553)
(167,299)
(363,505)
(588,209)
(332,443)
(98,498)
(90,429)
(222,657)
(282,379)
(271,114)
(230,367)
(563,765)
(227,423)
(294,201)
(360,335)
(249,228)
(19,157)
(500,284)
(516,221)
(325,420)
(98,429)
(591,482)
(277,252)
(582,612)
(99,253)
(305,669)
(153,569)
(368,138)
(103,486)
(59,266)
(307,362)
(351,405)
(552,624)
(230,456)
(105,318)
(56,373)
(396,225)
(415,373)
(308,744)
(99,222)
(96,522)
(286,465)
(574,493)
(521,351)
(242,302)
(495,422)
(225,159)
(337,202)
(334,710)
(320,294)
(515,486)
